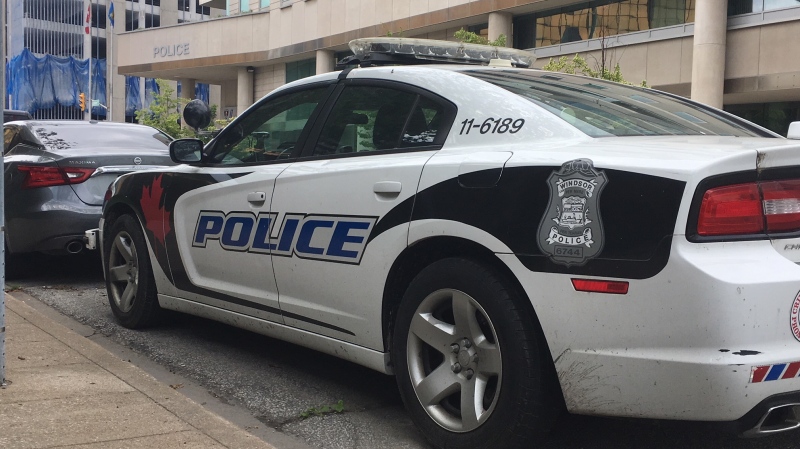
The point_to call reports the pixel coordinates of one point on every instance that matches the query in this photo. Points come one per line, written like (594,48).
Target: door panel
(330,208)
(218,232)
(367,159)
(223,229)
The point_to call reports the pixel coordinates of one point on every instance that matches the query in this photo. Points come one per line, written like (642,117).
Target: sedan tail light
(752,208)
(38,176)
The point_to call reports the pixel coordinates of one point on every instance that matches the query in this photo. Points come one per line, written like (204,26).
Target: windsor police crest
(571,231)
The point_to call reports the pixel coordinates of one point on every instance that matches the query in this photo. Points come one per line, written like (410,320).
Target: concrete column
(117,82)
(227,97)
(326,61)
(187,88)
(708,59)
(500,23)
(187,93)
(244,90)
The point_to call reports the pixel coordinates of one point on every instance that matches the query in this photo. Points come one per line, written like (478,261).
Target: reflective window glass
(600,19)
(369,118)
(268,132)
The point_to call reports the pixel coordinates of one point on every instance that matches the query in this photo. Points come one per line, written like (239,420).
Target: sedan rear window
(602,108)
(59,136)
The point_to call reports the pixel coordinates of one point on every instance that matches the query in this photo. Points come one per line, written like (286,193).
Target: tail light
(39,176)
(752,208)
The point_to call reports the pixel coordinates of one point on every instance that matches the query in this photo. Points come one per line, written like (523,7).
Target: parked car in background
(10,115)
(56,174)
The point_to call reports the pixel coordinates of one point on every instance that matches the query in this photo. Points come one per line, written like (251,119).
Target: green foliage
(323,410)
(468,37)
(578,65)
(164,114)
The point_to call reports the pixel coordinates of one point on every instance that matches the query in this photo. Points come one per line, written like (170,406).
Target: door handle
(387,187)
(256,197)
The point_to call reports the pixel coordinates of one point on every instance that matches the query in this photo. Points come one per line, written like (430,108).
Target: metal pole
(89,94)
(109,62)
(2,213)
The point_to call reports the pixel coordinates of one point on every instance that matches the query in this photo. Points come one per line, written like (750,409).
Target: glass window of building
(736,7)
(599,19)
(776,117)
(300,69)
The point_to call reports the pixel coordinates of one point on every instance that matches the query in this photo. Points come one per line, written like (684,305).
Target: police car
(507,242)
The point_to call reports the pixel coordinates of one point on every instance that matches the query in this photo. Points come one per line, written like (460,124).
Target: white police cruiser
(507,242)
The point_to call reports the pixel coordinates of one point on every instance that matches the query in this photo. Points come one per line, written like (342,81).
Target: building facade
(736,54)
(71,31)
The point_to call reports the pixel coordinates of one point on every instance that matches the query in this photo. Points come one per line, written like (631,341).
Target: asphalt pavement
(276,390)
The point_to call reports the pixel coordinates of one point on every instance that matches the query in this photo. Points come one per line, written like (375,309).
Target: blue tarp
(42,82)
(133,100)
(36,83)
(201,91)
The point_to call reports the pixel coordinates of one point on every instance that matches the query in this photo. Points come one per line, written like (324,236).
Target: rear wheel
(129,278)
(469,361)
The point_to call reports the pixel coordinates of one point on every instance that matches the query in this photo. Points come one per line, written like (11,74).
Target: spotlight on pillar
(250,69)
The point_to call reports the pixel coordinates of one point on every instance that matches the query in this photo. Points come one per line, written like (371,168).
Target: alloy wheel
(123,271)
(454,360)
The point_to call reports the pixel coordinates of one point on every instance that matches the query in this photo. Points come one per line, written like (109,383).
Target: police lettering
(322,237)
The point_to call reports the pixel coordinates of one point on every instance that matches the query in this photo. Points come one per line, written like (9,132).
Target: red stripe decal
(759,373)
(791,370)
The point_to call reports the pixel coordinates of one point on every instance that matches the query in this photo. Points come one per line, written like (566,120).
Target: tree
(579,65)
(164,113)
(468,37)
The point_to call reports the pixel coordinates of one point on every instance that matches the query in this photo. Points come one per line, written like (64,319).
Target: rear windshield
(602,108)
(66,136)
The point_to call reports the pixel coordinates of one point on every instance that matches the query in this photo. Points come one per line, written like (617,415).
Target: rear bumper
(685,344)
(47,220)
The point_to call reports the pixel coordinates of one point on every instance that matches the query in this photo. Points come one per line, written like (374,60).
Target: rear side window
(9,137)
(374,118)
(602,108)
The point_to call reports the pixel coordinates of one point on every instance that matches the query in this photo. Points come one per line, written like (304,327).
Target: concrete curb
(194,415)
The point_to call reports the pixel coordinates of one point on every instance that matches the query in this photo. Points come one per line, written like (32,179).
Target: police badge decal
(571,231)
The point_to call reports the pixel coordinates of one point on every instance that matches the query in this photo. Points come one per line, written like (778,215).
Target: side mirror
(186,151)
(794,131)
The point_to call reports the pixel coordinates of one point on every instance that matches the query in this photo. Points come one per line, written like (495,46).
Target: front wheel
(469,360)
(129,278)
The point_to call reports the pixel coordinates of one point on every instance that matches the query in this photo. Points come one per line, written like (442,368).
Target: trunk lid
(108,164)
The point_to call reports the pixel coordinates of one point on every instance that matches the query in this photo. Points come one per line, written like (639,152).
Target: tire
(130,284)
(461,333)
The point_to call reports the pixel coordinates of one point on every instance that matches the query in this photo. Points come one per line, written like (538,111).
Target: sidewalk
(65,390)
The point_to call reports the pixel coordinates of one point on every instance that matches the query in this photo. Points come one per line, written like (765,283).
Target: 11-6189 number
(493,126)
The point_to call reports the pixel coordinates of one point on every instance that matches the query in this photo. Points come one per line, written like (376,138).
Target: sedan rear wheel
(129,278)
(470,360)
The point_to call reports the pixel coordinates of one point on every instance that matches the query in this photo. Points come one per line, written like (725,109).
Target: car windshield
(59,136)
(602,108)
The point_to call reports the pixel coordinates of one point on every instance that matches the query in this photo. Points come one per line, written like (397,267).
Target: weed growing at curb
(323,410)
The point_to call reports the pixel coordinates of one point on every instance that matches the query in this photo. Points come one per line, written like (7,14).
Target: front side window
(371,118)
(270,131)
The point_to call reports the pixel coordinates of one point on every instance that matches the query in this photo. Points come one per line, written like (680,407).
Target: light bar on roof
(428,50)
